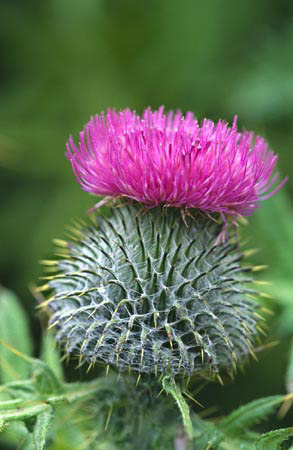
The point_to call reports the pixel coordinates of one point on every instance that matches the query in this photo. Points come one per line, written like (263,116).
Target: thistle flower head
(162,158)
(147,293)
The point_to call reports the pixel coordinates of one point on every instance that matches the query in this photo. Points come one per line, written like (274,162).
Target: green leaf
(209,439)
(51,357)
(45,381)
(235,444)
(12,434)
(273,439)
(250,414)
(14,330)
(42,425)
(25,413)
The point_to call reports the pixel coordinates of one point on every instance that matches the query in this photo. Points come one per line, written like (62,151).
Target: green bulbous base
(150,294)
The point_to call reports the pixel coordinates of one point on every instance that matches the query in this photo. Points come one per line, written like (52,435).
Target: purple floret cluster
(171,159)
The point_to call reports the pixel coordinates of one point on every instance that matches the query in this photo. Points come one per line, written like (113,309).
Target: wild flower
(170,159)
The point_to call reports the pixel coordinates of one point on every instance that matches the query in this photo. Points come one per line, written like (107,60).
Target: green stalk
(171,387)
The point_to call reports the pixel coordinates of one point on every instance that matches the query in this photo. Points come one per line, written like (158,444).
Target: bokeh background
(65,60)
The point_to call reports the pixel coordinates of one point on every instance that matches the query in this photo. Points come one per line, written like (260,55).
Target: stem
(171,387)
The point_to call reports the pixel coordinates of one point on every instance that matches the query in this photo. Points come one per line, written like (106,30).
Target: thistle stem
(171,387)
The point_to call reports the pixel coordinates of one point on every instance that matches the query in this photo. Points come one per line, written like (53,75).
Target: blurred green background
(65,60)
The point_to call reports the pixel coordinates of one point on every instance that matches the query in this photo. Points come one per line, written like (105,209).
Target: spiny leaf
(41,427)
(25,413)
(209,439)
(15,331)
(273,439)
(43,378)
(243,443)
(250,414)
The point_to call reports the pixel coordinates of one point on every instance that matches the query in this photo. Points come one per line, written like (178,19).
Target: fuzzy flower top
(170,159)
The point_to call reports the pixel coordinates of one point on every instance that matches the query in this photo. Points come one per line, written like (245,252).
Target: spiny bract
(148,293)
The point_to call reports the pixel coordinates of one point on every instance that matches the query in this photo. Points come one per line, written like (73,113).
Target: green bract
(149,293)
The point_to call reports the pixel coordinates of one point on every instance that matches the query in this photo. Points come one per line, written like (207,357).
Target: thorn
(261,331)
(259,268)
(127,335)
(242,220)
(16,352)
(267,310)
(60,243)
(138,379)
(108,417)
(193,399)
(183,217)
(220,379)
(161,391)
(118,377)
(45,287)
(83,344)
(49,262)
(89,367)
(253,355)
(107,370)
(79,361)
(67,345)
(101,340)
(141,358)
(46,302)
(267,346)
(265,295)
(64,357)
(262,283)
(68,319)
(53,324)
(285,407)
(250,252)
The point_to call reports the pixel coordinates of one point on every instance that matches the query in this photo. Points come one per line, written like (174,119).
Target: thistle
(150,294)
(150,287)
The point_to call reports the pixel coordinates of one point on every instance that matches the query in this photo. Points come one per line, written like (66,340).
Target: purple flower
(173,160)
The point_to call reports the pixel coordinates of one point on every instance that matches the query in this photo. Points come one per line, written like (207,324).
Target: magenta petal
(170,159)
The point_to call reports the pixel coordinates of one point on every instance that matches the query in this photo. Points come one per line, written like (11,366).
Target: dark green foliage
(112,414)
(274,439)
(14,329)
(148,293)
